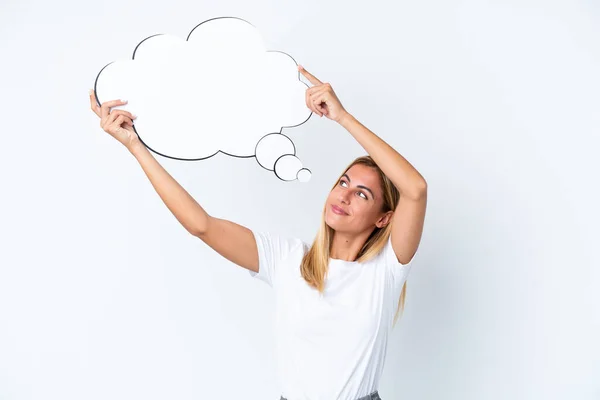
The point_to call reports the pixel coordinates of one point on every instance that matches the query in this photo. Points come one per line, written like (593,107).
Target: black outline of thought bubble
(218,151)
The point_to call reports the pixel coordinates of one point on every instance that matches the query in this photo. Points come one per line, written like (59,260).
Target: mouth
(338,210)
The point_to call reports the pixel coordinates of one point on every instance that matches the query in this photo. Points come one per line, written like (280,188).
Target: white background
(104,295)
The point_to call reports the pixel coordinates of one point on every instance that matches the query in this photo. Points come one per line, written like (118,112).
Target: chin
(333,223)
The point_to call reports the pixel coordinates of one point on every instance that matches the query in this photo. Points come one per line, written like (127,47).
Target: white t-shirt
(330,346)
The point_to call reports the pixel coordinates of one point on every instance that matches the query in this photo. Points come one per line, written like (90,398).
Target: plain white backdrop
(104,295)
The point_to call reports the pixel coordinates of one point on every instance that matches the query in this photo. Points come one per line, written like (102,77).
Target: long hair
(315,262)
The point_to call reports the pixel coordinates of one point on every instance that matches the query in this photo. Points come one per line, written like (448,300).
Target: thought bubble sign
(220,90)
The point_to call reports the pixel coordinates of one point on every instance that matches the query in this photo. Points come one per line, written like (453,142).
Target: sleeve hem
(391,256)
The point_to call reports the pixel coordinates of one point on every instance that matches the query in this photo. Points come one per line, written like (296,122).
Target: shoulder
(276,253)
(388,256)
(395,270)
(278,245)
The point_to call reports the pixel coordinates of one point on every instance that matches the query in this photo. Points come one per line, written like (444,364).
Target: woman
(338,299)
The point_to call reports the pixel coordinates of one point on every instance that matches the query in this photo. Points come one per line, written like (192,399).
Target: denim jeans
(372,396)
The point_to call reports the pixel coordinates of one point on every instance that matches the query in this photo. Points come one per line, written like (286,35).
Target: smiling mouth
(338,210)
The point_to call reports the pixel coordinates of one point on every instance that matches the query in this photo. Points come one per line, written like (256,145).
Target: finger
(105,107)
(114,126)
(310,92)
(123,112)
(93,103)
(126,120)
(311,78)
(310,104)
(121,119)
(318,106)
(127,124)
(318,90)
(319,97)
(319,93)
(314,89)
(110,118)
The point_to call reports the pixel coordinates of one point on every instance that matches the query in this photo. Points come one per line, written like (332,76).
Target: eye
(362,194)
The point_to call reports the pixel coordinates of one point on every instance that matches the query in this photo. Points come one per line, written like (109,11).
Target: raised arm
(234,242)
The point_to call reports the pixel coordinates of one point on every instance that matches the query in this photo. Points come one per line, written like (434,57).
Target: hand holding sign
(117,123)
(321,99)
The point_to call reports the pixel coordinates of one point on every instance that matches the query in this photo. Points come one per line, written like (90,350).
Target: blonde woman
(338,299)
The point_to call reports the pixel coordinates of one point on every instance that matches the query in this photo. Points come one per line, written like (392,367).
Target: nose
(344,197)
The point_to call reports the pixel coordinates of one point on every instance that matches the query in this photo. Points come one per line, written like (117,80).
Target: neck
(346,246)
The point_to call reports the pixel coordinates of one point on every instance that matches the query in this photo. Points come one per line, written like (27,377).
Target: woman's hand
(321,98)
(117,123)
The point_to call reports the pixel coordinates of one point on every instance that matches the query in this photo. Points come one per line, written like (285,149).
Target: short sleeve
(399,271)
(272,251)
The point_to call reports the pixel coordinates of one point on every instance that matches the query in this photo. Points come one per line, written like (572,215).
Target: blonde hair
(315,262)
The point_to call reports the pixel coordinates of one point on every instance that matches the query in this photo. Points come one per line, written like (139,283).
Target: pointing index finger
(309,76)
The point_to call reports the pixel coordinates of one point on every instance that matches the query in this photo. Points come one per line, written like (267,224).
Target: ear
(384,220)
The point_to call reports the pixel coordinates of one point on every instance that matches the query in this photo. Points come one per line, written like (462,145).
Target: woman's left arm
(409,216)
(403,175)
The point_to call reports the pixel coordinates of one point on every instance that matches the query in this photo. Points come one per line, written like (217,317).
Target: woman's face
(359,194)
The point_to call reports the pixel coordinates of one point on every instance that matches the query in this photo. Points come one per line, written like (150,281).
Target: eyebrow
(361,186)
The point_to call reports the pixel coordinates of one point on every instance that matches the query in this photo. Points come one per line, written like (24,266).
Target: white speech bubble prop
(219,91)
(271,147)
(287,167)
(270,152)
(304,175)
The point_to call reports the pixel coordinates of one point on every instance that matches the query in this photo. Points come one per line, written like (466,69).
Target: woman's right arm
(232,241)
(183,206)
